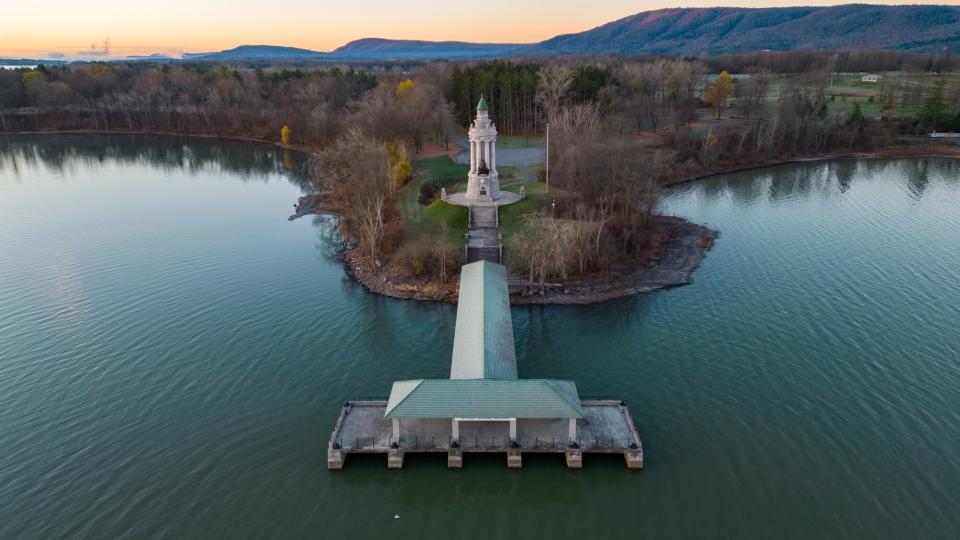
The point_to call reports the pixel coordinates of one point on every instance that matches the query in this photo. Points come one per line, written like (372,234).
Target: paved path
(519,157)
(483,240)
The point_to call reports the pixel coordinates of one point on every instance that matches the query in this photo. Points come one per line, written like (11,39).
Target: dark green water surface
(173,353)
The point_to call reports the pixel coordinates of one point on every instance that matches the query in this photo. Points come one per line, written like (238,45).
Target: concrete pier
(606,428)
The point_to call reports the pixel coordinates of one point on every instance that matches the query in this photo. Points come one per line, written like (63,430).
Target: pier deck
(606,427)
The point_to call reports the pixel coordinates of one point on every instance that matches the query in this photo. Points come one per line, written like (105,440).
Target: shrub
(427,192)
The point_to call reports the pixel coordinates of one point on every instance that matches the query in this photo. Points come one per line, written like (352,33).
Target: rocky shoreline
(681,250)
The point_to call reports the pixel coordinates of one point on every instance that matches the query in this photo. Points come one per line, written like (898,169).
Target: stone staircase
(483,238)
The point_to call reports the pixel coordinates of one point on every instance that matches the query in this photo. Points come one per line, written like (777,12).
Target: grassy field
(418,220)
(846,90)
(539,171)
(508,174)
(537,200)
(849,90)
(518,141)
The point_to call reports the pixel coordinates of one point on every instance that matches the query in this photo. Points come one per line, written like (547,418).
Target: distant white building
(870,78)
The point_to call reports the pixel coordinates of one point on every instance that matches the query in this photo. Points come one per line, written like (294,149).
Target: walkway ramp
(483,346)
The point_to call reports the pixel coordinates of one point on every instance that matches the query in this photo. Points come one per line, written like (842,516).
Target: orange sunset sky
(71,28)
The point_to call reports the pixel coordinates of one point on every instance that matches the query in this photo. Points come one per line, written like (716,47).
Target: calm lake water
(173,353)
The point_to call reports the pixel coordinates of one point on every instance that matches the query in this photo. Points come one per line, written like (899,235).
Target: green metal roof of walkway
(483,344)
(525,398)
(483,373)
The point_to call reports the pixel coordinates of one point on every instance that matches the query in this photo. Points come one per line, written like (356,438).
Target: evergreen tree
(856,115)
(933,109)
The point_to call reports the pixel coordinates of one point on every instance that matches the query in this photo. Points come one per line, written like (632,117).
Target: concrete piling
(395,459)
(634,459)
(335,459)
(455,458)
(514,459)
(574,458)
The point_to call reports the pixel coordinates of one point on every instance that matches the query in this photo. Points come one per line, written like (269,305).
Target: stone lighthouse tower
(483,184)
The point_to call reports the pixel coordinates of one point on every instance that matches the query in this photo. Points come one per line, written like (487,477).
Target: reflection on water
(822,179)
(62,153)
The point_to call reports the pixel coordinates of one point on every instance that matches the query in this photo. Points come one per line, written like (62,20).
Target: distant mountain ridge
(259,52)
(380,48)
(711,31)
(676,31)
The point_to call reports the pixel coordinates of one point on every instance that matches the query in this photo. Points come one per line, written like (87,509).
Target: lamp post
(548,159)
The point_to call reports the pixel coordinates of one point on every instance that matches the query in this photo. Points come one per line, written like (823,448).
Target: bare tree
(555,81)
(444,254)
(648,82)
(360,167)
(544,250)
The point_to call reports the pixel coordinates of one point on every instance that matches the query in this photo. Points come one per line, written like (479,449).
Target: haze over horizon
(115,28)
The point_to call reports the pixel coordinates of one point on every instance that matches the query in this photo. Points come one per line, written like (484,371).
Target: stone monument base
(506,197)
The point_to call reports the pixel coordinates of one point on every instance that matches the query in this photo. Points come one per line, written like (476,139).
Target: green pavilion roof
(479,398)
(483,343)
(482,106)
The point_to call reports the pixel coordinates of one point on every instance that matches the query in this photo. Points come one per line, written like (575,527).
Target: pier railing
(606,427)
(491,444)
(381,440)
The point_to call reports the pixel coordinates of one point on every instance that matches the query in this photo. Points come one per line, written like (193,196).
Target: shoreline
(682,252)
(302,149)
(310,150)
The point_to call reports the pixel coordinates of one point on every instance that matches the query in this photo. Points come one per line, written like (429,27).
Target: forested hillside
(697,31)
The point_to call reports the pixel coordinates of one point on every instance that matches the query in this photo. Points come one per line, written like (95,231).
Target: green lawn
(418,220)
(844,105)
(455,217)
(519,141)
(508,173)
(537,200)
(540,171)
